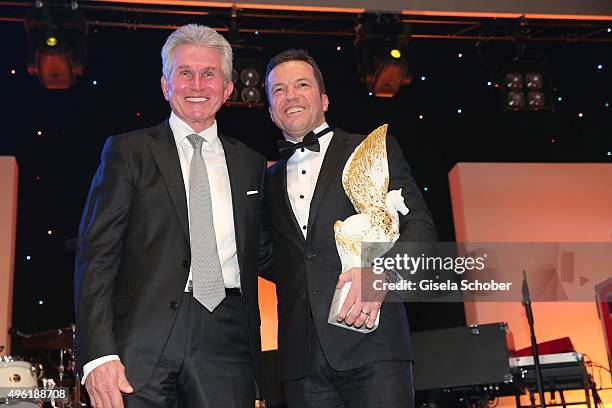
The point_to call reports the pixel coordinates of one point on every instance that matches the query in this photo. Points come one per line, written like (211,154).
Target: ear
(325,101)
(164,86)
(227,92)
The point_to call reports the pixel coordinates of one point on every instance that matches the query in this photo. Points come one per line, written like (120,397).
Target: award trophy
(374,229)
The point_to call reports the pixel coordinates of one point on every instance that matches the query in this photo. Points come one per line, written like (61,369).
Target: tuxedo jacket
(133,253)
(306,270)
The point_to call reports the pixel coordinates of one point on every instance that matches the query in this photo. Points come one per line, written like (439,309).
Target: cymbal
(55,339)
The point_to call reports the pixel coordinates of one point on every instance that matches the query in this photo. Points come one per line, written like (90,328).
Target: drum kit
(24,384)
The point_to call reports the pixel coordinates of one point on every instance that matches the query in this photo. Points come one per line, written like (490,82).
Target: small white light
(459,110)
(420,116)
(256,32)
(609,30)
(580,115)
(560,98)
(370,93)
(28,257)
(423,78)
(460,55)
(39,133)
(13,71)
(94,82)
(425,188)
(489,83)
(338,48)
(607,104)
(49,232)
(40,302)
(609,153)
(600,67)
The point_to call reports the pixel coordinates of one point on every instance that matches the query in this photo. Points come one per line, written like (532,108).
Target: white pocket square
(251,192)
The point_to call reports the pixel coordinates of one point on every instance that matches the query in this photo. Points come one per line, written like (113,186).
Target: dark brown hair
(295,55)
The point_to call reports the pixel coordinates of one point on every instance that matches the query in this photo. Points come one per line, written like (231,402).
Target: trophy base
(337,302)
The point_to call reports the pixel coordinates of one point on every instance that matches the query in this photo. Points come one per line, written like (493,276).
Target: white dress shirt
(221,198)
(303,169)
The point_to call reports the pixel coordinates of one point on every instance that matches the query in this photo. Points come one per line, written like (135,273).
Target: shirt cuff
(89,367)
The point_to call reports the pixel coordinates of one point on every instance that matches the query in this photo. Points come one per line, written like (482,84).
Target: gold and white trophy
(374,229)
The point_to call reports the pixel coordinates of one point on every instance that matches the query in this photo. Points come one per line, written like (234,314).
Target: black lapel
(239,185)
(285,194)
(329,168)
(166,156)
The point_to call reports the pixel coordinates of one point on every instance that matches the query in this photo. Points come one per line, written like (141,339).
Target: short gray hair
(197,35)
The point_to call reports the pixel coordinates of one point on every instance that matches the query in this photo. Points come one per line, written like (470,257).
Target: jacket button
(173,305)
(186,264)
(314,292)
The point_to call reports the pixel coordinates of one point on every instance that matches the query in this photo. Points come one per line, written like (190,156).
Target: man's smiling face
(196,88)
(297,105)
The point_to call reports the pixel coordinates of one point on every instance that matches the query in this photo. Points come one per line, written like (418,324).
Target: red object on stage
(603,294)
(562,345)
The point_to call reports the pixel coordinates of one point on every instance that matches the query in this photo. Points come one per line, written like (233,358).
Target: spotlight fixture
(527,85)
(56,45)
(247,77)
(383,54)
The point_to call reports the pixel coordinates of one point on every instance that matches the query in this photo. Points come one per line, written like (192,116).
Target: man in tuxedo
(322,365)
(166,265)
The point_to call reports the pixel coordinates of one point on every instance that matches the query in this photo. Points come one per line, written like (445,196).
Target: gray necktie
(208,286)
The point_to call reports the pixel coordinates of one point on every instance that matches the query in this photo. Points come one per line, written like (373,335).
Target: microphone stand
(534,345)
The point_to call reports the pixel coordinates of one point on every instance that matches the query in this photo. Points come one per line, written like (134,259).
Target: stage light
(527,84)
(536,99)
(250,95)
(247,77)
(382,48)
(515,99)
(56,45)
(514,80)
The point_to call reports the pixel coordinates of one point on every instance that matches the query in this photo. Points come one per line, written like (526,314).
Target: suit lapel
(329,168)
(166,156)
(239,185)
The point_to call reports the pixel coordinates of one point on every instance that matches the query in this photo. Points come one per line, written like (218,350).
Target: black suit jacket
(306,270)
(133,252)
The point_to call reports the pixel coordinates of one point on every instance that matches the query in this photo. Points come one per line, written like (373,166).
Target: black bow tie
(310,142)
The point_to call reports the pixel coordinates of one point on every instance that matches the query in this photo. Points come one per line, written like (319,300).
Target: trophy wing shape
(366,175)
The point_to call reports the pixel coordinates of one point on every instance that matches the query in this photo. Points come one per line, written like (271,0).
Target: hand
(361,311)
(105,384)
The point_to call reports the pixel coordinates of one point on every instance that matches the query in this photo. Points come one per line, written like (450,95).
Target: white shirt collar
(180,130)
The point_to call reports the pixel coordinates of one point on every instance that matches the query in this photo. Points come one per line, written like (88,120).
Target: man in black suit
(166,266)
(323,365)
